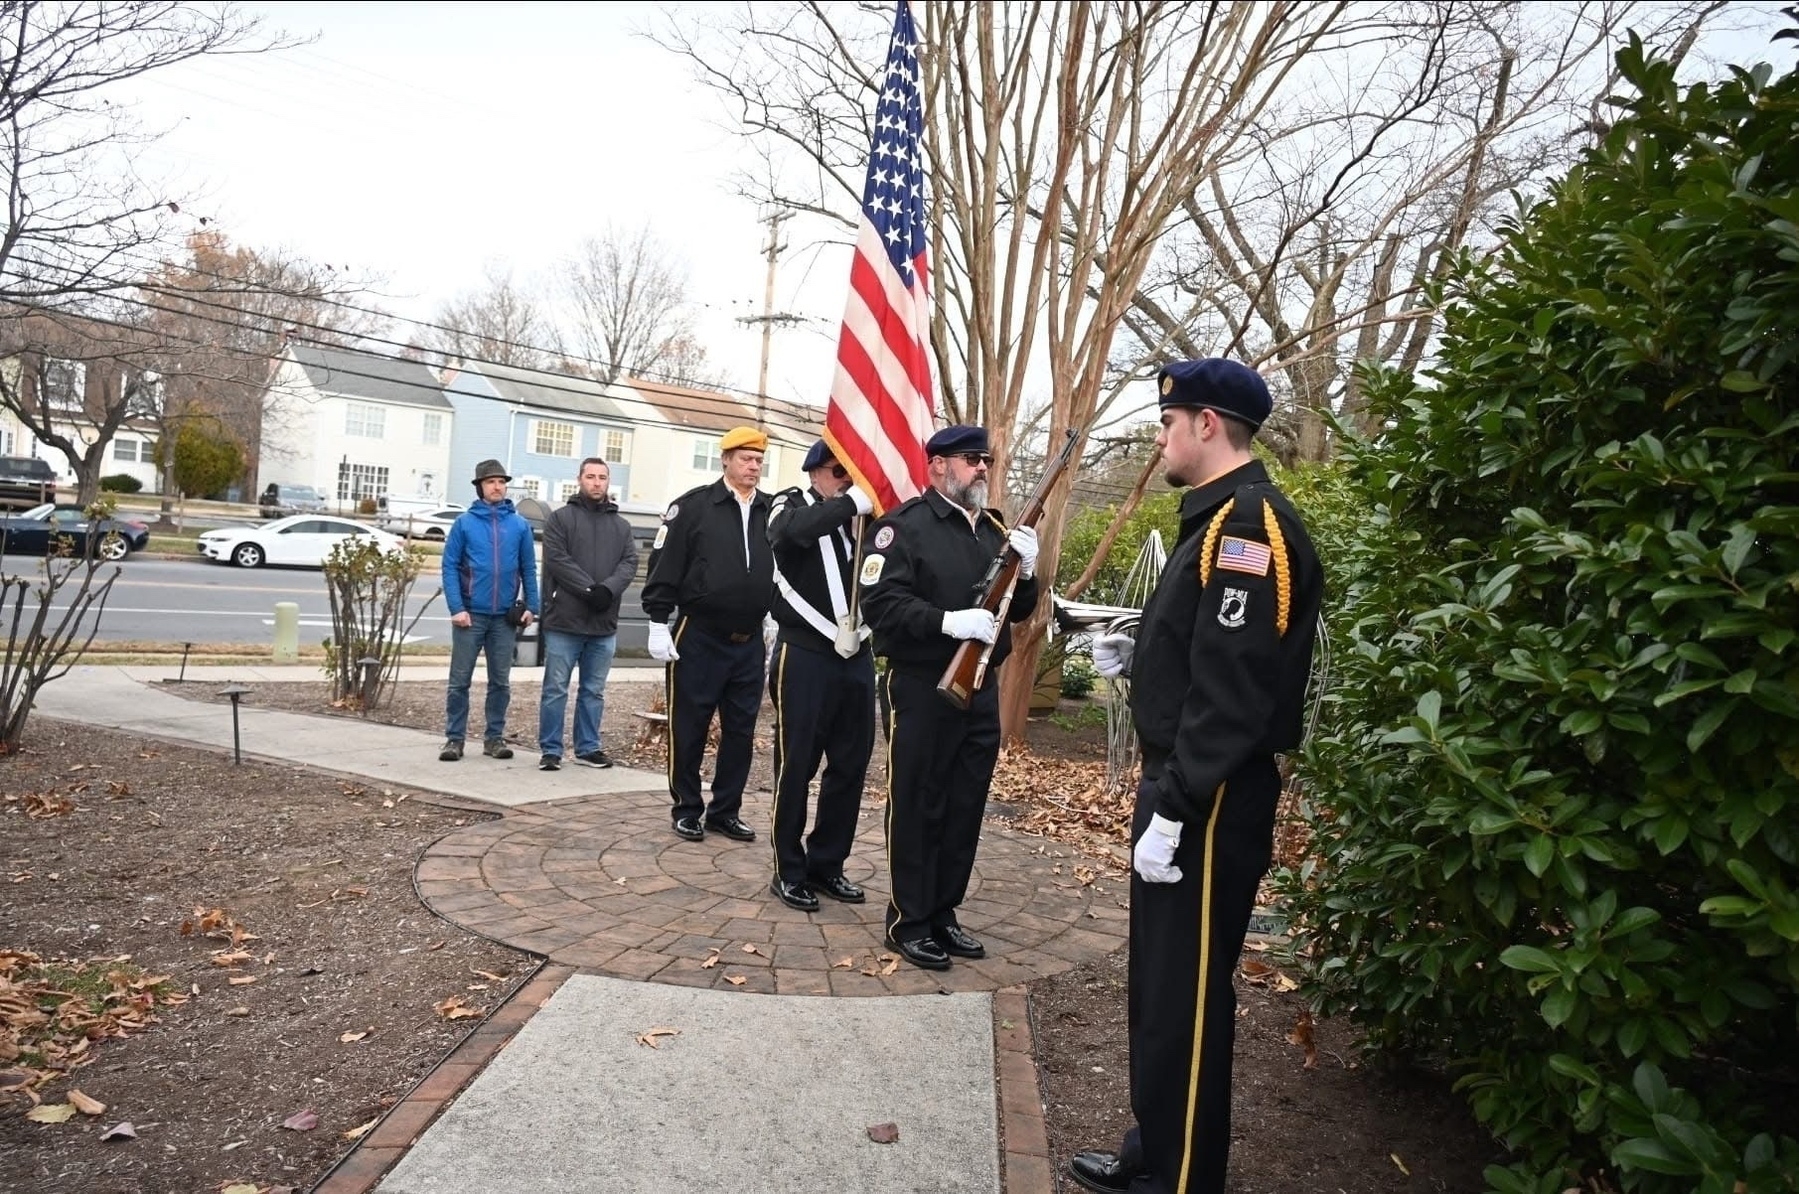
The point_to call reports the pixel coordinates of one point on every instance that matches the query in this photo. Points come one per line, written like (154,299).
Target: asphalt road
(195,601)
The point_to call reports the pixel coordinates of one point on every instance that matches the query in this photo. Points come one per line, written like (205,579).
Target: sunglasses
(973,458)
(838,471)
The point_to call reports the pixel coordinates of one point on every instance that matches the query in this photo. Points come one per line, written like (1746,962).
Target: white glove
(864,503)
(1024,542)
(662,643)
(1153,856)
(970,623)
(1112,654)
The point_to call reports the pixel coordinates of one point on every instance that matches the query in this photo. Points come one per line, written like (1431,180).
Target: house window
(566,491)
(358,481)
(5,441)
(130,450)
(434,429)
(615,444)
(527,487)
(552,439)
(705,454)
(62,385)
(365,421)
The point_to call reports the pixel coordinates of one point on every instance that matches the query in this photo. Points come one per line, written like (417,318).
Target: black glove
(598,596)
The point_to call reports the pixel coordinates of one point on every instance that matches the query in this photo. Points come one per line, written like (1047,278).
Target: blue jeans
(492,633)
(562,652)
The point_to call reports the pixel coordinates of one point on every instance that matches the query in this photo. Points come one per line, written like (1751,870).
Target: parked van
(281,499)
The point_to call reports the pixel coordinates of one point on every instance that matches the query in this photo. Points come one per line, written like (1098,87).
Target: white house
(354,425)
(679,429)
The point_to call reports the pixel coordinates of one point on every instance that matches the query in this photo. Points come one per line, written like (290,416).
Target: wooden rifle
(966,671)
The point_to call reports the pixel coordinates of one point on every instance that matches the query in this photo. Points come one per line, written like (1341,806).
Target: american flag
(880,411)
(1243,555)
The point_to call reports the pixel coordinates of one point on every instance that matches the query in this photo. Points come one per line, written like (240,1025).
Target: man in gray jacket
(589,557)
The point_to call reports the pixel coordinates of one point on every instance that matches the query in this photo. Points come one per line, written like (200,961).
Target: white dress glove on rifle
(970,623)
(1024,542)
(1112,654)
(1153,857)
(864,503)
(662,643)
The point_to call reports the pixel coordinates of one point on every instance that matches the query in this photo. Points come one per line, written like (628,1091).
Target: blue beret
(952,441)
(817,455)
(1228,387)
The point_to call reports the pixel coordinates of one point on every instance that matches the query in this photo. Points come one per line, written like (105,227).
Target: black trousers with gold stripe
(939,766)
(1185,941)
(824,711)
(712,676)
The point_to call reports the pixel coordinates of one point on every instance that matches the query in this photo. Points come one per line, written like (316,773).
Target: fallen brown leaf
(883,1133)
(750,949)
(241,980)
(350,1038)
(86,1105)
(124,1130)
(891,966)
(653,1036)
(844,963)
(1302,1036)
(454,1009)
(489,975)
(361,1130)
(301,1121)
(1394,1157)
(711,959)
(237,1011)
(736,980)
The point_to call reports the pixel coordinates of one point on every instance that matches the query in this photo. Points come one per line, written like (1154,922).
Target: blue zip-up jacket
(487,555)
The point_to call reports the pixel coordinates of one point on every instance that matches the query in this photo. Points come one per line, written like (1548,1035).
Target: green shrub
(1560,851)
(1078,677)
(120,483)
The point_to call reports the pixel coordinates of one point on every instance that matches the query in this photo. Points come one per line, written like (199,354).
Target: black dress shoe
(690,828)
(958,944)
(923,952)
(840,888)
(733,828)
(795,895)
(1103,1172)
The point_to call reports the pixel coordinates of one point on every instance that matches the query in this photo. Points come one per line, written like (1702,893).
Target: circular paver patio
(602,882)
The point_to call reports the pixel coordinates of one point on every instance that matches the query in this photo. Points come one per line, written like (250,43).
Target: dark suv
(280,499)
(26,481)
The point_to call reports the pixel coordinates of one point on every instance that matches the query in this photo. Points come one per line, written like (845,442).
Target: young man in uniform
(1218,676)
(711,560)
(589,557)
(488,557)
(822,682)
(919,583)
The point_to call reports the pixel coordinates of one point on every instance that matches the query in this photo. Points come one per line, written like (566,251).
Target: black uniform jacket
(1214,684)
(794,529)
(585,543)
(698,562)
(922,560)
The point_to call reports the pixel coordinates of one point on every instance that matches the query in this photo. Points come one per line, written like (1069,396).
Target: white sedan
(301,539)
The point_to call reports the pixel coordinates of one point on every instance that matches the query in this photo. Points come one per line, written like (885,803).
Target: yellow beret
(744,437)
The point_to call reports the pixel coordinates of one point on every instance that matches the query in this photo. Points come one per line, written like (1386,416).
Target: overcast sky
(420,142)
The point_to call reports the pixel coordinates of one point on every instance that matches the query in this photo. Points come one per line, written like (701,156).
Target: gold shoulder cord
(1277,547)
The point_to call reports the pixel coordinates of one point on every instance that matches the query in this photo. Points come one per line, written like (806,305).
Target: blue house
(540,425)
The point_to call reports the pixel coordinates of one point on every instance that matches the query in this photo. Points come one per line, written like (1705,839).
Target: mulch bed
(314,874)
(207,1080)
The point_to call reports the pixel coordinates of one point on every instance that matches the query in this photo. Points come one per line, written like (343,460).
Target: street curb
(1026,1167)
(369,1159)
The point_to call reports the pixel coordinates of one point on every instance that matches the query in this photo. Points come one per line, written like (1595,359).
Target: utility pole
(769,316)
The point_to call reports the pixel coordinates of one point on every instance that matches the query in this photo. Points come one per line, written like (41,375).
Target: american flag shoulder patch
(1243,555)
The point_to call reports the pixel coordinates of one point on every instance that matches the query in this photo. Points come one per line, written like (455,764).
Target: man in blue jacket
(488,555)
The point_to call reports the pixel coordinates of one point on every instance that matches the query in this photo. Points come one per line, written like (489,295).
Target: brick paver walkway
(602,883)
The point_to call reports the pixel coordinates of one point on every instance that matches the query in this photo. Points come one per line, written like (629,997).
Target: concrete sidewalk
(754,1092)
(131,700)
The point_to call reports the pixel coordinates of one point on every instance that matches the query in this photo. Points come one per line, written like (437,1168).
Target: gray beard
(972,496)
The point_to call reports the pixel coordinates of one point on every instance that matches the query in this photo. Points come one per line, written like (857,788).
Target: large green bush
(1559,851)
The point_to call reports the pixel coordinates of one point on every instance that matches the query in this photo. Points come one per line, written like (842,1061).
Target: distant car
(26,481)
(303,540)
(279,499)
(43,529)
(422,524)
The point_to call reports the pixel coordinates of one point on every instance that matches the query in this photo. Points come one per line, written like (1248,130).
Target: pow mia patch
(884,538)
(661,537)
(1233,610)
(872,566)
(668,515)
